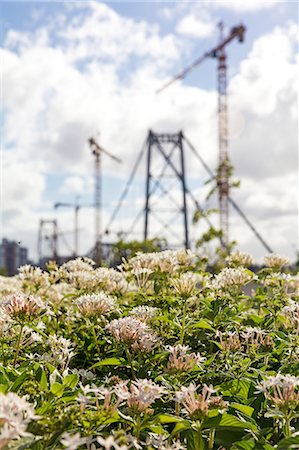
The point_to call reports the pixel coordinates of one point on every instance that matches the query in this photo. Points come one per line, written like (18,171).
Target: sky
(71,70)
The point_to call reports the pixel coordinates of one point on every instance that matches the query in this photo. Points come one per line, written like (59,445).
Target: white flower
(95,304)
(15,414)
(111,280)
(62,350)
(34,276)
(180,360)
(166,261)
(229,277)
(238,258)
(141,394)
(186,283)
(133,332)
(276,261)
(110,443)
(22,307)
(78,265)
(72,442)
(144,312)
(281,390)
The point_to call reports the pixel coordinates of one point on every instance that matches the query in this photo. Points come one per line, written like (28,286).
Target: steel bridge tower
(165,161)
(48,232)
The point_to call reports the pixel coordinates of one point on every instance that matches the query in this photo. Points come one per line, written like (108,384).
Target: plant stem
(138,426)
(94,336)
(18,345)
(287,426)
(131,363)
(183,329)
(211,438)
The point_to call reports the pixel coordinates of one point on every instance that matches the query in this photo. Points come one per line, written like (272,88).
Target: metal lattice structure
(171,151)
(48,233)
(97,151)
(155,146)
(224,164)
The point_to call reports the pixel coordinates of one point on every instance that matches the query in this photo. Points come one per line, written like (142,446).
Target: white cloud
(73,92)
(73,185)
(22,184)
(265,94)
(246,5)
(268,74)
(191,25)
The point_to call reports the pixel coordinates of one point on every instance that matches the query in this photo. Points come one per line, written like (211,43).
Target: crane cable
(231,201)
(125,191)
(187,190)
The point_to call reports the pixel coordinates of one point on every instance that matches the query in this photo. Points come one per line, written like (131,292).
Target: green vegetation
(160,354)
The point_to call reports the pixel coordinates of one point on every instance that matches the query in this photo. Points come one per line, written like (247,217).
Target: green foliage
(123,249)
(177,356)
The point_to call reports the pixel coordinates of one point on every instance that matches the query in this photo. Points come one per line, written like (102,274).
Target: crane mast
(223,159)
(223,167)
(97,150)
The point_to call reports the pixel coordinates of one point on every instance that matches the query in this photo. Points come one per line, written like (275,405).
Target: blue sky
(73,69)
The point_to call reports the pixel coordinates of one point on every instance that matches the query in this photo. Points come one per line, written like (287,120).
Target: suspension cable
(231,201)
(125,191)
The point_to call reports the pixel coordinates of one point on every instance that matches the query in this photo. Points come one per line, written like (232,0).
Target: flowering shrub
(159,354)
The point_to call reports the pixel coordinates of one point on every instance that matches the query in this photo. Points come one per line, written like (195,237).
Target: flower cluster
(33,276)
(61,351)
(169,261)
(232,277)
(144,313)
(281,390)
(134,333)
(140,395)
(197,404)
(122,358)
(230,342)
(180,360)
(15,415)
(21,307)
(276,261)
(142,276)
(238,258)
(250,339)
(111,280)
(78,265)
(291,312)
(185,284)
(95,304)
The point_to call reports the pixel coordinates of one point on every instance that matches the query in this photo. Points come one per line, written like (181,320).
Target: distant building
(12,256)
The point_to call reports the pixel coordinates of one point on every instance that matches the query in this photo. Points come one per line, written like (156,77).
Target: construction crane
(48,224)
(76,207)
(97,150)
(218,52)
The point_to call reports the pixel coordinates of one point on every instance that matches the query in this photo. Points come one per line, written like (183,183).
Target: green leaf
(109,362)
(289,442)
(158,429)
(57,389)
(42,379)
(241,387)
(18,382)
(248,410)
(71,380)
(180,426)
(202,324)
(167,418)
(228,421)
(244,445)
